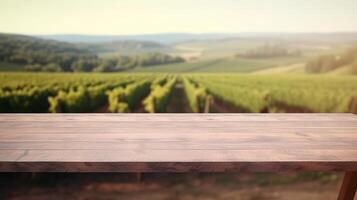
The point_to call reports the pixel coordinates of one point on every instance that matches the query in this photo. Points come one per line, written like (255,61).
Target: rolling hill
(19,50)
(209,52)
(228,64)
(172,38)
(127,47)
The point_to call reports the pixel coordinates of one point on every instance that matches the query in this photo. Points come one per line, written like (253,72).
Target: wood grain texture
(177,142)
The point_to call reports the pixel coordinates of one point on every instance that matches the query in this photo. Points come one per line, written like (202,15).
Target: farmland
(222,65)
(263,73)
(230,54)
(281,93)
(158,92)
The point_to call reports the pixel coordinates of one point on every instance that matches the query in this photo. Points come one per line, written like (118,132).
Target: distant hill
(124,47)
(170,38)
(208,52)
(21,50)
(18,52)
(13,40)
(164,38)
(222,65)
(12,43)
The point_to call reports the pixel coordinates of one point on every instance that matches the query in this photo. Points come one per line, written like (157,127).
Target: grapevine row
(196,95)
(159,97)
(124,100)
(282,94)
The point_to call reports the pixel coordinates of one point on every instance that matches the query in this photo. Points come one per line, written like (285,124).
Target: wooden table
(181,143)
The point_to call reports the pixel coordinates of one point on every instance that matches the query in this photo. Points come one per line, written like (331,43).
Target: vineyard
(157,93)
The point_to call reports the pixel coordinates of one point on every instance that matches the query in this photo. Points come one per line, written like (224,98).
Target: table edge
(164,167)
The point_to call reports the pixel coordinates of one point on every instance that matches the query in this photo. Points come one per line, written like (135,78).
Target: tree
(82,65)
(33,67)
(105,66)
(52,67)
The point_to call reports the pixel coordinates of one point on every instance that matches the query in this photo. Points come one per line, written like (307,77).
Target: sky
(127,17)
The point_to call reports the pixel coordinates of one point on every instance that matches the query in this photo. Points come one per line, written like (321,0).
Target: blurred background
(152,56)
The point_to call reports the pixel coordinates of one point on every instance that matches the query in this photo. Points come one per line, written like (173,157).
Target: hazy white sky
(157,16)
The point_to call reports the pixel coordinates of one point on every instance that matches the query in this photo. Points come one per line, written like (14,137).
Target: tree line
(269,51)
(326,63)
(52,56)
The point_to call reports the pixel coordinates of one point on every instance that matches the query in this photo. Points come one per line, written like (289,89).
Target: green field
(213,75)
(157,92)
(8,67)
(222,65)
(228,55)
(221,56)
(276,93)
(218,48)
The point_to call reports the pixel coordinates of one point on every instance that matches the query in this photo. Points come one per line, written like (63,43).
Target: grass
(219,48)
(228,64)
(6,67)
(296,68)
(282,93)
(345,70)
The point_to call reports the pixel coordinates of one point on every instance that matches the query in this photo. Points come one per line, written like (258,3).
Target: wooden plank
(141,142)
(349,186)
(181,155)
(172,145)
(179,117)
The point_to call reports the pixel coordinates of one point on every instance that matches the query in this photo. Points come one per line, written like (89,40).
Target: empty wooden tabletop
(177,142)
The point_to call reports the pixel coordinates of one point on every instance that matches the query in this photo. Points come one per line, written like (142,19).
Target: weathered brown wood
(178,142)
(158,167)
(349,186)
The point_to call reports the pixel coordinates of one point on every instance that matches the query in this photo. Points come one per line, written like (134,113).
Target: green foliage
(282,94)
(159,97)
(72,101)
(48,55)
(25,100)
(121,63)
(83,99)
(10,67)
(33,67)
(228,64)
(150,59)
(125,99)
(244,98)
(84,65)
(28,92)
(52,67)
(51,56)
(116,101)
(161,80)
(83,92)
(196,95)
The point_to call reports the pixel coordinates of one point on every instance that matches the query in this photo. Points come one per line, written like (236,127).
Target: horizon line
(188,33)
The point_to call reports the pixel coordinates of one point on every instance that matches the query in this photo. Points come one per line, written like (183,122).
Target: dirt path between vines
(103,109)
(178,101)
(219,106)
